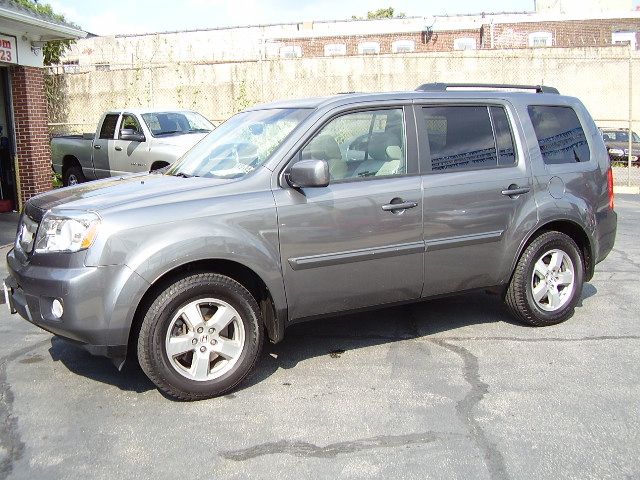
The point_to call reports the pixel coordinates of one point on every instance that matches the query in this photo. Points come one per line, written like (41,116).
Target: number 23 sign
(8,51)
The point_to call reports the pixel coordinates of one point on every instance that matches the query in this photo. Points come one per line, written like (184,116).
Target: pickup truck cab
(302,209)
(127,141)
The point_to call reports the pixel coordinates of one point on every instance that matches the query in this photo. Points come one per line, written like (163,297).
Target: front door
(130,156)
(357,242)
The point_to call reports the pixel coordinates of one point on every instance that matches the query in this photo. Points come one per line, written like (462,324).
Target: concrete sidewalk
(8,226)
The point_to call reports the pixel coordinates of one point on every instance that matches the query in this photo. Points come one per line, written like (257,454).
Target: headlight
(66,233)
(616,151)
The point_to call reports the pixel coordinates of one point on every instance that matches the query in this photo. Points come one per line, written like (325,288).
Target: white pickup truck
(127,141)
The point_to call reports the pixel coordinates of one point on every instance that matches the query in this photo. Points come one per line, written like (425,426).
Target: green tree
(381,13)
(53,50)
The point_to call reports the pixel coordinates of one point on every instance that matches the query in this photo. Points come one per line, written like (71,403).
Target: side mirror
(309,173)
(131,135)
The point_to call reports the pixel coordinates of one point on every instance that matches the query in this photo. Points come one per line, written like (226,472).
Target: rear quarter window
(560,135)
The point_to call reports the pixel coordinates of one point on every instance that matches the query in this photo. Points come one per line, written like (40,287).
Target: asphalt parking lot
(450,388)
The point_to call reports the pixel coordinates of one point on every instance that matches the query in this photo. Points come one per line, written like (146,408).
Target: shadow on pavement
(328,337)
(8,227)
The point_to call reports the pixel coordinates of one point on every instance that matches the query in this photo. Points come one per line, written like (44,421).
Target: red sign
(8,49)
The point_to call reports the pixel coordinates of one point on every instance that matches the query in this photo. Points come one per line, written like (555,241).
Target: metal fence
(602,77)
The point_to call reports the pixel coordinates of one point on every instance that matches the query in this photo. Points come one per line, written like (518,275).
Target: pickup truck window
(241,144)
(108,128)
(172,123)
(130,122)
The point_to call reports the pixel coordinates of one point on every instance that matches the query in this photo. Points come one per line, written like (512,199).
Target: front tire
(201,337)
(547,282)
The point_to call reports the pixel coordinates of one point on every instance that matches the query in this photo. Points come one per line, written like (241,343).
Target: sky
(143,16)
(138,16)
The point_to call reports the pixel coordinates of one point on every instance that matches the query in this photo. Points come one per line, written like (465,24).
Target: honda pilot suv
(305,208)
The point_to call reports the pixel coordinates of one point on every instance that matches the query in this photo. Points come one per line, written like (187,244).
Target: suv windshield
(173,123)
(239,145)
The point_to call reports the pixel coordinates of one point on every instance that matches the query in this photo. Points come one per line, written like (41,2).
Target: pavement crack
(493,458)
(10,441)
(306,449)
(626,258)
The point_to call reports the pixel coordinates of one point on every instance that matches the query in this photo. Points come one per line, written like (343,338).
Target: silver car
(300,209)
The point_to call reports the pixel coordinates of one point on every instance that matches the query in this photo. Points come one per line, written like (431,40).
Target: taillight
(610,187)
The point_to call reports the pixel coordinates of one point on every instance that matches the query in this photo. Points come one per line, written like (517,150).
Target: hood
(622,145)
(186,140)
(104,194)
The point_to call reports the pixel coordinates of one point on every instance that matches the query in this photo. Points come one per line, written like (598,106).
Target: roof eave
(60,32)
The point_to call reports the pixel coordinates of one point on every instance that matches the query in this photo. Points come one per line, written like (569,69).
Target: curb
(623,189)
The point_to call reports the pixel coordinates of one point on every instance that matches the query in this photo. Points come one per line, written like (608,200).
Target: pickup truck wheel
(201,337)
(547,281)
(72,176)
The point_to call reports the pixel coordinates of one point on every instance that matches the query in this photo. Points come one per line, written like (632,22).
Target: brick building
(570,24)
(25,158)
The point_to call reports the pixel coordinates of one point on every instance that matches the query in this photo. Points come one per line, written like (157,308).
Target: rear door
(478,199)
(103,147)
(351,244)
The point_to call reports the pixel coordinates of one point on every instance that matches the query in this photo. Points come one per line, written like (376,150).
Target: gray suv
(303,208)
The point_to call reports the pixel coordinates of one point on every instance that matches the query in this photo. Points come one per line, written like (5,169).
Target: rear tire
(547,282)
(201,337)
(72,176)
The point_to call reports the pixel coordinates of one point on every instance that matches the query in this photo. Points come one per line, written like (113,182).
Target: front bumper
(97,304)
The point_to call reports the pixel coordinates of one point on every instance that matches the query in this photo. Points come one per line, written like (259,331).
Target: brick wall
(32,134)
(566,34)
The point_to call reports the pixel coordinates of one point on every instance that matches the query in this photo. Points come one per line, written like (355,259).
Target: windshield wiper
(183,175)
(198,130)
(169,132)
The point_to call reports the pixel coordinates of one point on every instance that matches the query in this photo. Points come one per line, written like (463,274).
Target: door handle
(514,190)
(399,206)
(97,147)
(119,148)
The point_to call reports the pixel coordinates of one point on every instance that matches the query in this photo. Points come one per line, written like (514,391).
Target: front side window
(560,135)
(361,144)
(240,145)
(468,137)
(130,122)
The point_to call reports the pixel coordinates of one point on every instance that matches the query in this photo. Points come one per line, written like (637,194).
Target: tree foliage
(388,12)
(53,50)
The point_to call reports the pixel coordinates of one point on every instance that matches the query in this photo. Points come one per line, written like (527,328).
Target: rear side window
(468,137)
(109,126)
(560,134)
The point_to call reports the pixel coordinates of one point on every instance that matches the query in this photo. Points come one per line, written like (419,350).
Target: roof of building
(53,27)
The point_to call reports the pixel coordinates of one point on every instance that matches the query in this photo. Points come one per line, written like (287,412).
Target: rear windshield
(560,135)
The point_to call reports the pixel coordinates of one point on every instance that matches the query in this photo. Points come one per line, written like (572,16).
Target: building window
(540,39)
(102,67)
(403,46)
(368,48)
(335,49)
(466,43)
(618,38)
(291,51)
(70,66)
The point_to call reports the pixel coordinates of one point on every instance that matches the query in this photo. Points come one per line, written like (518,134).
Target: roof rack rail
(443,87)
